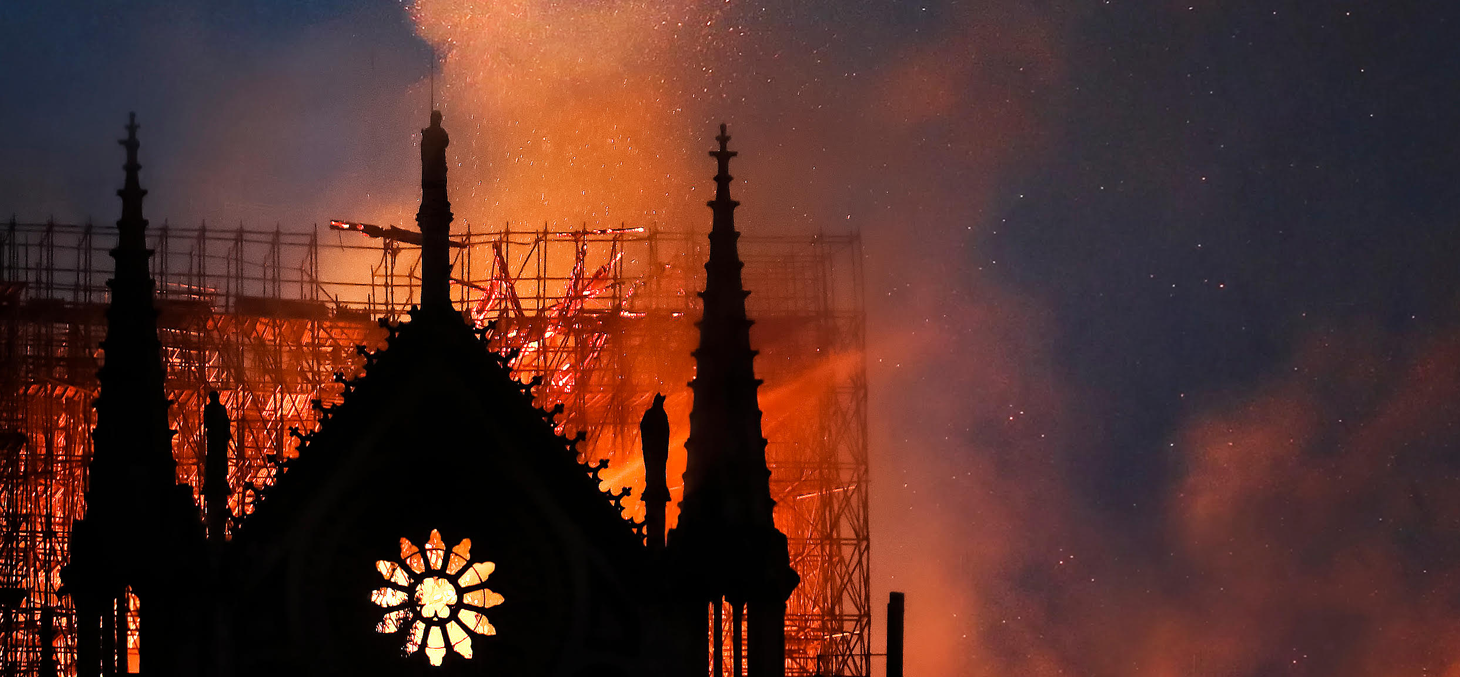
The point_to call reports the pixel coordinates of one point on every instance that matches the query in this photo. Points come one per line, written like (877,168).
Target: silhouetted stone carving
(654,437)
(219,430)
(434,218)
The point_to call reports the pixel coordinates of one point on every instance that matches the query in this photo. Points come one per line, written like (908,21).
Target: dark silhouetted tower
(136,555)
(726,544)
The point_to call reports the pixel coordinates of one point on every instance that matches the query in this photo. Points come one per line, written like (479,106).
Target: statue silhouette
(654,436)
(434,219)
(219,431)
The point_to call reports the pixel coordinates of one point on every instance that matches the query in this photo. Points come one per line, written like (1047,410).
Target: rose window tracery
(437,599)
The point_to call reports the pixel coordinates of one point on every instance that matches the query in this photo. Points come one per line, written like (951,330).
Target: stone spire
(434,219)
(132,436)
(726,542)
(726,479)
(141,537)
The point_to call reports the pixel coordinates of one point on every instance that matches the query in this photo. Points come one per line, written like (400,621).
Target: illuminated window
(434,598)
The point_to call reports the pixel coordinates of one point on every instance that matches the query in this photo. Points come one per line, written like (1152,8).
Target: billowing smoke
(601,112)
(1316,516)
(1309,530)
(1306,520)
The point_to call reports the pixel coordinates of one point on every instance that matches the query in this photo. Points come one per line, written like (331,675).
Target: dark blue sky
(1163,343)
(1226,185)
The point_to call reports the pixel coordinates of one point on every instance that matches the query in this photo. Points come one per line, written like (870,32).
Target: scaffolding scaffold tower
(605,317)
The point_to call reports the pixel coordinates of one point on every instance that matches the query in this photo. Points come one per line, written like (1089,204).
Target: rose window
(436,599)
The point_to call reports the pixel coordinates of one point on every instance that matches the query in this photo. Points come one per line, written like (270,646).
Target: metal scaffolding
(267,317)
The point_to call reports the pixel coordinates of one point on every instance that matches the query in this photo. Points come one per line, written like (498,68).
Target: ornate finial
(131,224)
(722,203)
(131,144)
(724,154)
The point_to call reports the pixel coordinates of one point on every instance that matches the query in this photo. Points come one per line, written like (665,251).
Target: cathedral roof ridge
(447,351)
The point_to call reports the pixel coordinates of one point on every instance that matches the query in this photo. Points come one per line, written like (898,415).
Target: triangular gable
(437,437)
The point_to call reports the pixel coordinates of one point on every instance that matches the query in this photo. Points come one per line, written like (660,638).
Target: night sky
(1164,332)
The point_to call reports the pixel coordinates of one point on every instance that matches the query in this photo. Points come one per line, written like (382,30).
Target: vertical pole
(389,278)
(10,250)
(84,275)
(138,613)
(161,261)
(314,261)
(87,623)
(738,640)
(239,258)
(697,657)
(766,649)
(202,281)
(120,625)
(47,273)
(719,635)
(894,634)
(48,641)
(278,261)
(463,255)
(309,253)
(109,638)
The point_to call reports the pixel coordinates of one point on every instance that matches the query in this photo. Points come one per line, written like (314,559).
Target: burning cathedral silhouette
(434,523)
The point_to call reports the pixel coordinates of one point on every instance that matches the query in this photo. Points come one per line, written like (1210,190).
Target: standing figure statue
(219,431)
(654,435)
